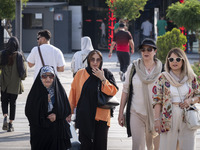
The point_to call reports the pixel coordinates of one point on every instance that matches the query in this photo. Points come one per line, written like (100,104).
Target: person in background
(147,29)
(175,90)
(161,26)
(13,71)
(79,59)
(51,55)
(137,97)
(170,25)
(116,26)
(93,122)
(192,38)
(103,34)
(124,41)
(47,108)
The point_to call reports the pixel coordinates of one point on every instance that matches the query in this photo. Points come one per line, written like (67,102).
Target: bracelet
(156,119)
(103,80)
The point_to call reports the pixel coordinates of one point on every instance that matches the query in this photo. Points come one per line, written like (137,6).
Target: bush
(168,41)
(196,69)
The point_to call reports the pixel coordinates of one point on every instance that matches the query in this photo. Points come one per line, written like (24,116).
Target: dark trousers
(100,137)
(124,60)
(7,98)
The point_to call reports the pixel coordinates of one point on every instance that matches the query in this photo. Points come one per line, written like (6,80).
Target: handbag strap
(183,101)
(41,56)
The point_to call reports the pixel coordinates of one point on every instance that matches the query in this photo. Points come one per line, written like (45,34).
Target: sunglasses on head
(44,76)
(178,59)
(146,49)
(97,60)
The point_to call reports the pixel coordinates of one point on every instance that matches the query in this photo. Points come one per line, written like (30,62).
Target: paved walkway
(117,138)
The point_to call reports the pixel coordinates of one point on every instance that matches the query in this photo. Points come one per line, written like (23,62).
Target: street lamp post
(18,22)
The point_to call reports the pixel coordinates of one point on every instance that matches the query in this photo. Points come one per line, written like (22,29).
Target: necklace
(149,69)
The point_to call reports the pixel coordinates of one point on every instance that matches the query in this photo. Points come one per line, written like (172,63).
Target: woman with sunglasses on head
(47,108)
(13,71)
(175,90)
(93,122)
(137,95)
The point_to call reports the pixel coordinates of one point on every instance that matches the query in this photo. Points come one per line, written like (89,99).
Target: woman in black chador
(46,108)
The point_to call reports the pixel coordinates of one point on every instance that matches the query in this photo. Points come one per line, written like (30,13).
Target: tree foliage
(7,9)
(169,40)
(185,14)
(7,13)
(129,9)
(196,69)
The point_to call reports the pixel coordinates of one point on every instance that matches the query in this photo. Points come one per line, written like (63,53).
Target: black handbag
(105,101)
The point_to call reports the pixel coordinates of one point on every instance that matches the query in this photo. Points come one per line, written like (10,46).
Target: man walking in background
(124,40)
(51,55)
(161,26)
(147,29)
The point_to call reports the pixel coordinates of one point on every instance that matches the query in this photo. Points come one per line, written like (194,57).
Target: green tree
(186,14)
(7,13)
(129,9)
(168,41)
(196,69)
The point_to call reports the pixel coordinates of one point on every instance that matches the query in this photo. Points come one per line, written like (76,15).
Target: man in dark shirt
(124,40)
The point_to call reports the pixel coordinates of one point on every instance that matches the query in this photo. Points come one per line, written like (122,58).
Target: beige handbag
(192,117)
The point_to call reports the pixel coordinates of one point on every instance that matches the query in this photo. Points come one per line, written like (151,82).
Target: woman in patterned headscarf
(47,108)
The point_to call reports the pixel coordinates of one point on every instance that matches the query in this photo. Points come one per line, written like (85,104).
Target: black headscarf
(36,110)
(12,47)
(87,104)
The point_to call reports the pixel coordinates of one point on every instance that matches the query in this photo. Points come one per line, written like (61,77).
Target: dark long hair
(7,54)
(91,54)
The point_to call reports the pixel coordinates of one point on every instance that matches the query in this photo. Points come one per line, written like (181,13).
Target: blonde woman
(175,89)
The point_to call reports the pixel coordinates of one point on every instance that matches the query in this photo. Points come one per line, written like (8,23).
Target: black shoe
(10,127)
(5,124)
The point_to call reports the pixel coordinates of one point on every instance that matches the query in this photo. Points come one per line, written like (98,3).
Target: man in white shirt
(51,55)
(147,29)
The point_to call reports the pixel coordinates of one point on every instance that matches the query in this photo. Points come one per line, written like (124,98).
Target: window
(32,21)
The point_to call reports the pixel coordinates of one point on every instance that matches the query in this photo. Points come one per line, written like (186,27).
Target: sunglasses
(38,38)
(98,60)
(44,76)
(146,49)
(178,59)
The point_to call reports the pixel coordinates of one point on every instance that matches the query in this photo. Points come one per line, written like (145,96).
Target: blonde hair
(186,68)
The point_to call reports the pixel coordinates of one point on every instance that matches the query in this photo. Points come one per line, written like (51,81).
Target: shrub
(196,69)
(168,41)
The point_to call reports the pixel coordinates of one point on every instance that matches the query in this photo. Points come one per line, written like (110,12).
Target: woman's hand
(98,73)
(121,119)
(157,126)
(68,119)
(185,104)
(52,117)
